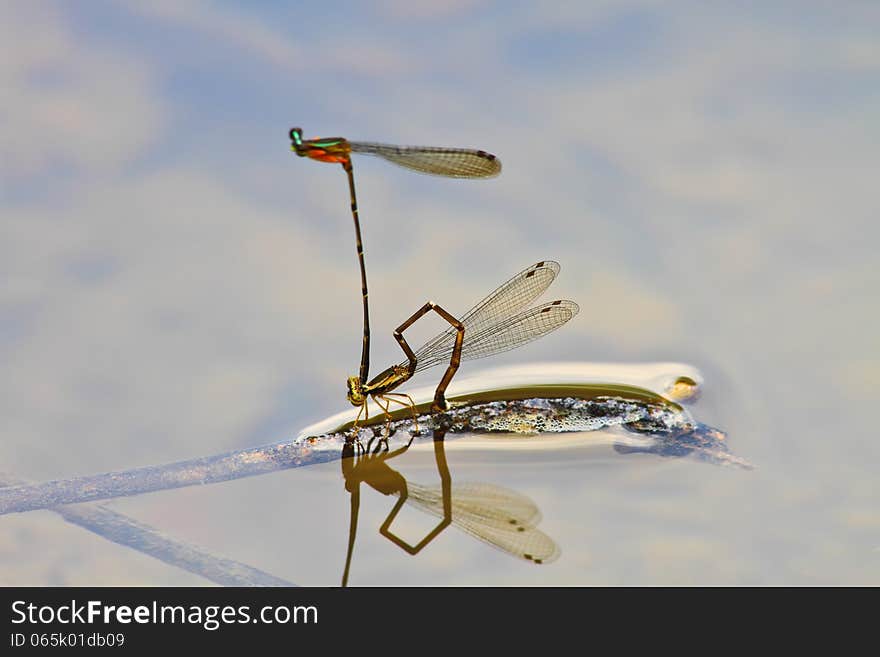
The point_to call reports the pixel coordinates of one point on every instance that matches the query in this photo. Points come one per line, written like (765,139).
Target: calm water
(177,284)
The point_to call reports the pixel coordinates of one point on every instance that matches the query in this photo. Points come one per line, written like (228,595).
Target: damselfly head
(296,141)
(356,391)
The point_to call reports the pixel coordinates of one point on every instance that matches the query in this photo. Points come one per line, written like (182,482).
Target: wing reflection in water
(498,516)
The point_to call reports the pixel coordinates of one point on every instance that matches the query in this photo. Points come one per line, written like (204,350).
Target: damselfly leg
(409,403)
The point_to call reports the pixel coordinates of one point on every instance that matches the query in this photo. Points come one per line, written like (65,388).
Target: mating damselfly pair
(500,322)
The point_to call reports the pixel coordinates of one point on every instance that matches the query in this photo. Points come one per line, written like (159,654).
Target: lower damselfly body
(502,321)
(448,162)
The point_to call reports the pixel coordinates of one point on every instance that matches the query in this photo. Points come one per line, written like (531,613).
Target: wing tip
(551,265)
(567,304)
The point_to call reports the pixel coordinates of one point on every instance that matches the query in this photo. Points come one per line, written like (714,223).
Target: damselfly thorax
(379,388)
(334,150)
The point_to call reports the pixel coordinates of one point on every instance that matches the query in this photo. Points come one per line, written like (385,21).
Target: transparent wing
(486,504)
(506,334)
(498,516)
(450,162)
(530,544)
(507,300)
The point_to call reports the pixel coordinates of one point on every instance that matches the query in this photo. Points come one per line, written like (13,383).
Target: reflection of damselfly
(498,516)
(497,324)
(449,162)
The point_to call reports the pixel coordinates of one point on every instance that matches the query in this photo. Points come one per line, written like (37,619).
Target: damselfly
(500,322)
(449,162)
(439,161)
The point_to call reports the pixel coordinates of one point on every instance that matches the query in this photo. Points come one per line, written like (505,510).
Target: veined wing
(508,333)
(500,517)
(507,300)
(450,162)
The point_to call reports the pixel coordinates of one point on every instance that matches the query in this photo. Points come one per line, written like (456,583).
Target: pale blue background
(176,283)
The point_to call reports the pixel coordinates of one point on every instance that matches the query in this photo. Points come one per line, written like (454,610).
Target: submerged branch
(125,531)
(208,470)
